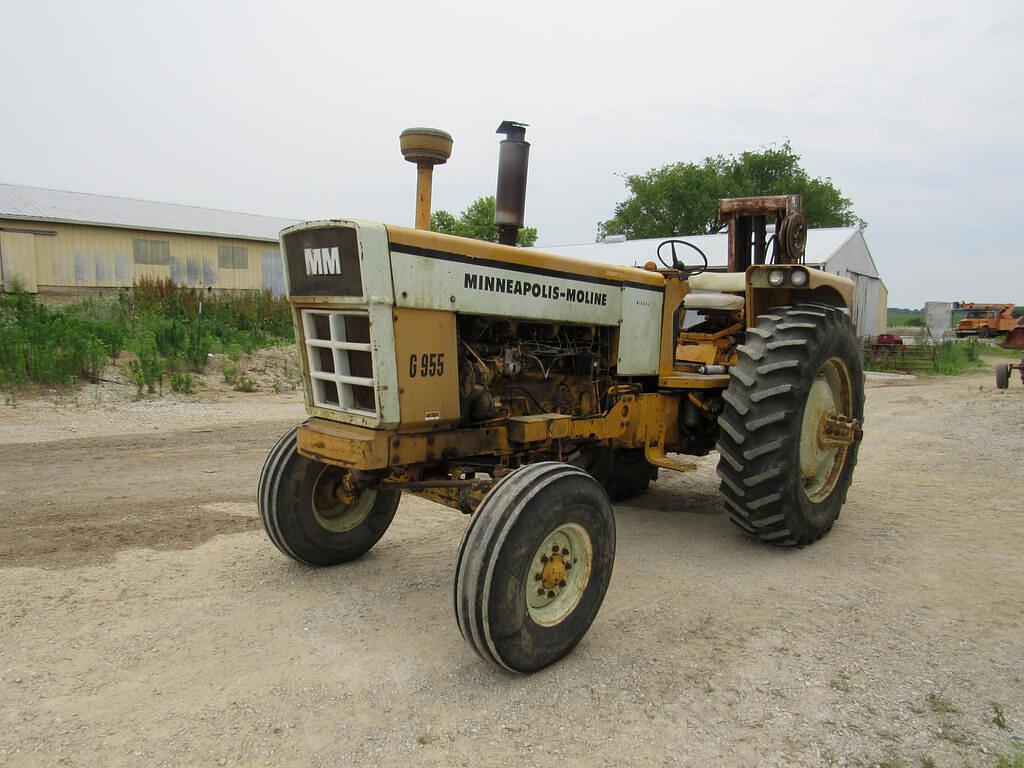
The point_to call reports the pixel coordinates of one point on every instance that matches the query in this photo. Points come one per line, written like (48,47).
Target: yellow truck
(984,320)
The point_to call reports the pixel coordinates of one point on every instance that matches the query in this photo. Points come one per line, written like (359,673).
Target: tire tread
(759,478)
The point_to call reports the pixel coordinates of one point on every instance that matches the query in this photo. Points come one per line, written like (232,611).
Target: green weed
(999,716)
(167,326)
(1016,760)
(941,705)
(146,369)
(184,383)
(839,685)
(245,385)
(957,357)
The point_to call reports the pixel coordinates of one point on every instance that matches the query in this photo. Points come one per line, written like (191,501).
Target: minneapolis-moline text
(508,285)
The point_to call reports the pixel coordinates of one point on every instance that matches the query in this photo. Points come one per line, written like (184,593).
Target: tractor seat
(717,291)
(723,282)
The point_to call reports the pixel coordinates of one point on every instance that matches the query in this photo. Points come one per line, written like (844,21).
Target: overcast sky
(914,109)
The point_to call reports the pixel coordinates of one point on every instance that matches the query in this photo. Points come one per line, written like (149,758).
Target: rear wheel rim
(559,573)
(831,393)
(331,514)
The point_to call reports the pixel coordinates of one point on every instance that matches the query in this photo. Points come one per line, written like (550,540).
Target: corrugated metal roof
(822,244)
(38,204)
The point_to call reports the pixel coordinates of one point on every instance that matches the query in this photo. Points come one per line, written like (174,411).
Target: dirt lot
(145,619)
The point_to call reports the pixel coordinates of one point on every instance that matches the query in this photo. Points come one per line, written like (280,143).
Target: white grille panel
(340,359)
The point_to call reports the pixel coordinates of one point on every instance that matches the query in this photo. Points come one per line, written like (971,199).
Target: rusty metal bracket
(747,221)
(838,431)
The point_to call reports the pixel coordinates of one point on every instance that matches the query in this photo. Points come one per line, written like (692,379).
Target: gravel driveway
(145,619)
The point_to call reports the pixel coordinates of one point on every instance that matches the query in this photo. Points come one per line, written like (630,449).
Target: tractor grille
(340,360)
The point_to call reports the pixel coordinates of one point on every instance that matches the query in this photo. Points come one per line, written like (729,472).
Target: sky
(915,110)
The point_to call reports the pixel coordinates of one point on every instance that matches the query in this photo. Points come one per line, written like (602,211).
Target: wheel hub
(837,431)
(558,574)
(338,505)
(346,491)
(553,574)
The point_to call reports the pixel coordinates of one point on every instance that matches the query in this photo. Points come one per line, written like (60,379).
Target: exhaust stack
(426,147)
(510,201)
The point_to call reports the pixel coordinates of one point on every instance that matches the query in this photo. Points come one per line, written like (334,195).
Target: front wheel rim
(559,573)
(330,513)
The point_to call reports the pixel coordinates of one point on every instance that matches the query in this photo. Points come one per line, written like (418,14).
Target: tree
(682,198)
(477,221)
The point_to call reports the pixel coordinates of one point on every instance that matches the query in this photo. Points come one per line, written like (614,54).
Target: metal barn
(67,244)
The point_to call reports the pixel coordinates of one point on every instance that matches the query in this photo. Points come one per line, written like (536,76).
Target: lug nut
(561,583)
(565,551)
(541,591)
(538,576)
(555,548)
(543,558)
(568,566)
(551,593)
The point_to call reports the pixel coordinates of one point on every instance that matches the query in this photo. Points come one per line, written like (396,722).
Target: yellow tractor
(532,390)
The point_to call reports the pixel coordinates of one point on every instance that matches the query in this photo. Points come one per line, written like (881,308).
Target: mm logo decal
(323,261)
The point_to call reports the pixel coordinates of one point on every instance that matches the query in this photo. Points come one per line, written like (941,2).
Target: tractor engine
(510,368)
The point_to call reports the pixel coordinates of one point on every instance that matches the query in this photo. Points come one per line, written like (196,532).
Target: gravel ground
(146,620)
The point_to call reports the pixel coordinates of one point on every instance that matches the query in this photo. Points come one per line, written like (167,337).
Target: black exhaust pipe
(510,201)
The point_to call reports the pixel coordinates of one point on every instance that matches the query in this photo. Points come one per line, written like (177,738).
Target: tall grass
(168,327)
(954,357)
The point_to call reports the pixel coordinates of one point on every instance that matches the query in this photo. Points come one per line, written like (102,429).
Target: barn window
(151,252)
(232,257)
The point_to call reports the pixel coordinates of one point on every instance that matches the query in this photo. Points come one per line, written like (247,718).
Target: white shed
(839,251)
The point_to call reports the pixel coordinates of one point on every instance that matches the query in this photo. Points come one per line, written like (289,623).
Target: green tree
(477,221)
(682,198)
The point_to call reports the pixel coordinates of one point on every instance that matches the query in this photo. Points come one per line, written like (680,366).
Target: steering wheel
(677,263)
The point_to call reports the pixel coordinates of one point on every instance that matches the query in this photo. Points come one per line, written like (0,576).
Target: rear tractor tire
(534,566)
(790,428)
(624,473)
(1002,375)
(301,513)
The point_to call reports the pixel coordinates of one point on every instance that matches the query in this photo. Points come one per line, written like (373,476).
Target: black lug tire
(285,503)
(759,443)
(496,553)
(1002,375)
(624,473)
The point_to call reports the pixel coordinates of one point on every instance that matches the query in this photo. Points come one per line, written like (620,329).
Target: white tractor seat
(717,291)
(723,282)
(723,302)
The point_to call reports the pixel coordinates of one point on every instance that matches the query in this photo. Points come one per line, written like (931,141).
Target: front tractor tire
(790,428)
(302,516)
(534,566)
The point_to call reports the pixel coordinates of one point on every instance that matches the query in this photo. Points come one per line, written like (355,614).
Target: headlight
(776,277)
(798,278)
